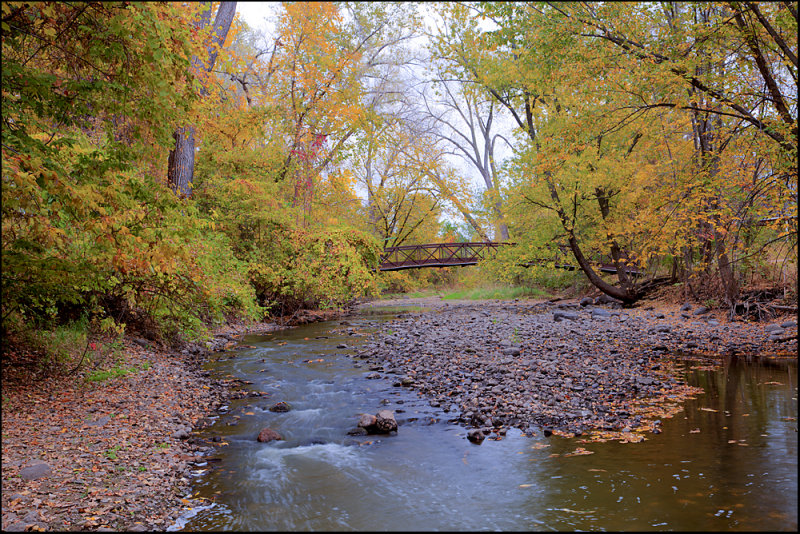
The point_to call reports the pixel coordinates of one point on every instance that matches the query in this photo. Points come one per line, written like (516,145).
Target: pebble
(524,364)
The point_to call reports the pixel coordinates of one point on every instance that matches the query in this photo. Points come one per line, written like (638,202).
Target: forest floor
(108,455)
(117,454)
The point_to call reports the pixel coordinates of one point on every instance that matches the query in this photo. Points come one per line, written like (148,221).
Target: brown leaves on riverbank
(109,457)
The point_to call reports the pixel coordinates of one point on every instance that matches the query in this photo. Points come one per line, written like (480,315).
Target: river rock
(181,433)
(558,315)
(773,328)
(686,307)
(381,423)
(280,407)
(605,299)
(476,435)
(701,310)
(789,324)
(386,421)
(367,421)
(586,301)
(36,470)
(267,435)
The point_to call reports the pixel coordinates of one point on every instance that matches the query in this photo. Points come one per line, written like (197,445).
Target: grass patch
(413,294)
(115,372)
(502,293)
(379,310)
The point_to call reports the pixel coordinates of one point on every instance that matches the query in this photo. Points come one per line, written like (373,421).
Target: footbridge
(460,254)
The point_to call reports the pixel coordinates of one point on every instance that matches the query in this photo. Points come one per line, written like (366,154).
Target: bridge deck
(458,254)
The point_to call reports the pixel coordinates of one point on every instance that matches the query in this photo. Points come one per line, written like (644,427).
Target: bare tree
(466,121)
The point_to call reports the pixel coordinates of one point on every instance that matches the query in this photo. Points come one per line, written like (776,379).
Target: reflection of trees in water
(680,479)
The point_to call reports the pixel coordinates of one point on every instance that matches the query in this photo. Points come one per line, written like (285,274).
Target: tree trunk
(180,166)
(625,295)
(616,252)
(612,291)
(181,162)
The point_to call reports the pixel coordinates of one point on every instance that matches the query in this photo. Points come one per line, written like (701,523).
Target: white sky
(259,15)
(254,13)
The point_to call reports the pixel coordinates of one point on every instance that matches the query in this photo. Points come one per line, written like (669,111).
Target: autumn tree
(180,170)
(90,91)
(593,118)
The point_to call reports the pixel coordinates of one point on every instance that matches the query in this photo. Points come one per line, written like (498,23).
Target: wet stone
(280,407)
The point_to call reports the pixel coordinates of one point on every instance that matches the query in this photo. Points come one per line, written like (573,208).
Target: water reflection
(728,462)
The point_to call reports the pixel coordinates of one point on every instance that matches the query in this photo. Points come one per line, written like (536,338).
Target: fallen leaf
(525,485)
(580,451)
(575,511)
(709,410)
(695,431)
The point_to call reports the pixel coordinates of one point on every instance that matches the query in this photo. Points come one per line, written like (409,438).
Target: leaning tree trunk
(180,166)
(626,295)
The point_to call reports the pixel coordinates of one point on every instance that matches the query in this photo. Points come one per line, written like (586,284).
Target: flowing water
(727,462)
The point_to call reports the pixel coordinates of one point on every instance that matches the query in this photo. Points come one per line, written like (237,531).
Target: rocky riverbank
(110,455)
(568,368)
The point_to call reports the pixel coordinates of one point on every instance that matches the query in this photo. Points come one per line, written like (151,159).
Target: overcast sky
(259,16)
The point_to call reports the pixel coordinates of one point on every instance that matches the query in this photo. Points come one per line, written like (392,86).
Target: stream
(727,462)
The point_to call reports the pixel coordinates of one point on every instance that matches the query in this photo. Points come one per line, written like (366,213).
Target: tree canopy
(656,135)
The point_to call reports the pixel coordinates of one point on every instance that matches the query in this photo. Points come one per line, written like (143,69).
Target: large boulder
(267,435)
(381,423)
(386,421)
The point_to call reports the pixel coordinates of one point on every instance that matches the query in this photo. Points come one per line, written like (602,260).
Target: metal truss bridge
(457,255)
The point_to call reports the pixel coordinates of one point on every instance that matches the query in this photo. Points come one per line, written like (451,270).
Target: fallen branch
(783,308)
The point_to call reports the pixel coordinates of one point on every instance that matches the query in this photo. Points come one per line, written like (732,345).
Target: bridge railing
(458,254)
(436,255)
